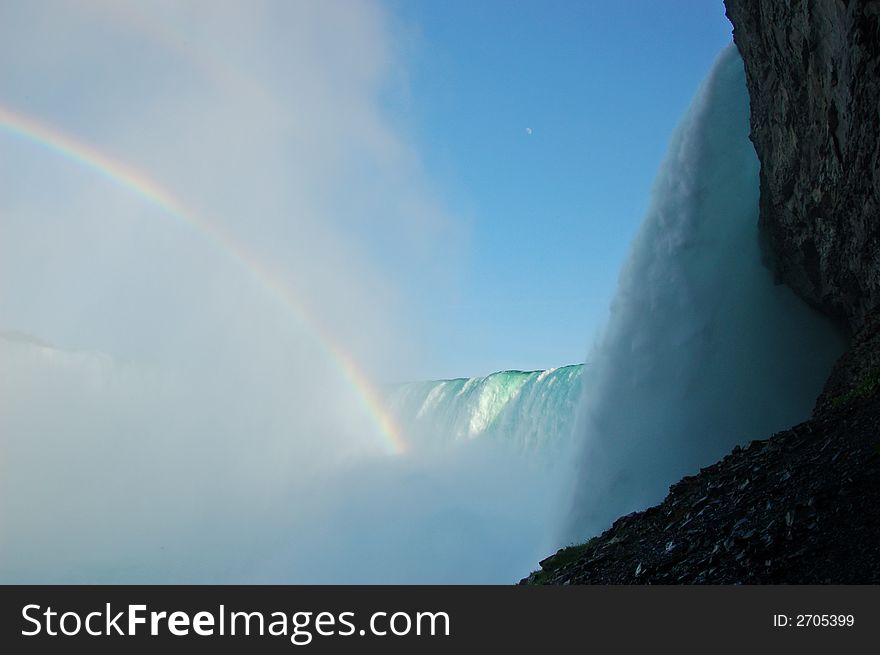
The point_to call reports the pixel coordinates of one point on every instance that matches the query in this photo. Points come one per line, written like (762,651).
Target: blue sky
(549,216)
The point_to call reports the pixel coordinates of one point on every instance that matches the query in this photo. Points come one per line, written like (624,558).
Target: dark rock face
(813,74)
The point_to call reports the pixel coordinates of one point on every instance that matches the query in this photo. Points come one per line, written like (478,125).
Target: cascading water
(528,412)
(702,350)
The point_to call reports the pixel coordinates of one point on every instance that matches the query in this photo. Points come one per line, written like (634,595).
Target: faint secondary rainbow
(137,182)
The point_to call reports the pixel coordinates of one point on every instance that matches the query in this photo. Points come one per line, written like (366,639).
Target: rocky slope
(813,73)
(800,507)
(804,505)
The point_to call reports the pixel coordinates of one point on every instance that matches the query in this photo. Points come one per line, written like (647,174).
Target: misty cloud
(188,424)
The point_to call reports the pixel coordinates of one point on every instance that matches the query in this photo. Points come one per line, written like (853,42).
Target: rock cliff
(813,74)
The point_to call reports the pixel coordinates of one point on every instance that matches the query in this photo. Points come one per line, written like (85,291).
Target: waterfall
(702,350)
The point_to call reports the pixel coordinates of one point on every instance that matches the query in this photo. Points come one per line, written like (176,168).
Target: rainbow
(143,186)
